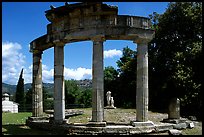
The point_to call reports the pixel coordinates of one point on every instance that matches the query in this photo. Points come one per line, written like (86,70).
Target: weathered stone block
(174,132)
(174,109)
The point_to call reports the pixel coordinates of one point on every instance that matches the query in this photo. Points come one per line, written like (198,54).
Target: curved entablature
(83,21)
(40,44)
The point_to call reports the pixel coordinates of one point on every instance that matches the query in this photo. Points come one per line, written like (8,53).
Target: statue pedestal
(109,107)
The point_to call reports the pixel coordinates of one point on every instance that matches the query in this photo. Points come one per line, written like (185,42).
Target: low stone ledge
(68,113)
(96,124)
(174,121)
(180,123)
(38,118)
(139,124)
(118,123)
(180,126)
(163,127)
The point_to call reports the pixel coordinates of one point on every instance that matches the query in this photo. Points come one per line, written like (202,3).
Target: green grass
(15,118)
(84,118)
(194,131)
(14,124)
(197,130)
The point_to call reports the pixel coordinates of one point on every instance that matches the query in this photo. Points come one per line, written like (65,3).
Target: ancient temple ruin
(97,22)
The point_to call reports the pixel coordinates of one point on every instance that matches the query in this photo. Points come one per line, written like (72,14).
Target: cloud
(27,74)
(12,62)
(47,75)
(112,53)
(77,74)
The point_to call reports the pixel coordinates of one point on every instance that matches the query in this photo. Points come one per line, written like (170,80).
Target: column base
(96,124)
(58,122)
(32,118)
(140,124)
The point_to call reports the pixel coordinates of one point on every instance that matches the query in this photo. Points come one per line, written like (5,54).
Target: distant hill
(11,89)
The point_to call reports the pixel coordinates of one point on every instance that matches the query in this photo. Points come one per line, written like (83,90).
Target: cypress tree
(20,99)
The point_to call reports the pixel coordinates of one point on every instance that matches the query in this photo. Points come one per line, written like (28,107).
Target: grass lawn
(15,118)
(14,123)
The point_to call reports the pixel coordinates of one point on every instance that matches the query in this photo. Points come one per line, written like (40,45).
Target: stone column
(142,81)
(174,109)
(37,103)
(97,80)
(59,95)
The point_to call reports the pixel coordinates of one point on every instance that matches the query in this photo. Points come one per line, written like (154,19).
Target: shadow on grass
(13,129)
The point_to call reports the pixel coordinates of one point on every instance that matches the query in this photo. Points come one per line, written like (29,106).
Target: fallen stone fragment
(191,125)
(174,132)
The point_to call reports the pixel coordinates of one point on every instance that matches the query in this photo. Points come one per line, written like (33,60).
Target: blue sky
(23,22)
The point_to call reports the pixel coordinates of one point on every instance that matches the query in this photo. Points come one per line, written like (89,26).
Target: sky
(22,22)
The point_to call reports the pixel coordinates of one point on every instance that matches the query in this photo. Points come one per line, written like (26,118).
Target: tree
(110,79)
(110,82)
(28,100)
(127,78)
(175,55)
(85,97)
(47,104)
(72,92)
(20,98)
(110,73)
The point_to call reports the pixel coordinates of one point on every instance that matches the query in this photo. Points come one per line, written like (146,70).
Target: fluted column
(142,96)
(37,95)
(59,95)
(97,80)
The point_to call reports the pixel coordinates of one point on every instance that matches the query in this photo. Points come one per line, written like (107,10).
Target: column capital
(36,51)
(98,38)
(142,40)
(33,48)
(58,43)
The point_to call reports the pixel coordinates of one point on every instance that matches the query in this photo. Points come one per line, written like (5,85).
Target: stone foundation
(140,124)
(102,128)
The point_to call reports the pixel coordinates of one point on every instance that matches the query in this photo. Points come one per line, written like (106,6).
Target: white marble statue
(111,102)
(108,96)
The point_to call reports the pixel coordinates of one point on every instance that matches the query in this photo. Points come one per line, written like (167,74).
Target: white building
(8,106)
